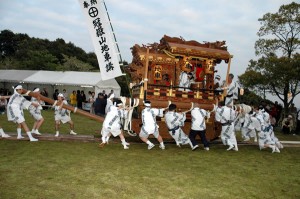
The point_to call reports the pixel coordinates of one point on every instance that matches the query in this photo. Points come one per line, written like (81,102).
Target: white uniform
(226,116)
(174,121)
(15,107)
(113,123)
(149,122)
(231,94)
(62,114)
(184,81)
(35,111)
(248,129)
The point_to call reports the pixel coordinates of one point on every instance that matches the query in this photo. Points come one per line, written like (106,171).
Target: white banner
(102,37)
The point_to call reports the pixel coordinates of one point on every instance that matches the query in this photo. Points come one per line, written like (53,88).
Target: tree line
(20,51)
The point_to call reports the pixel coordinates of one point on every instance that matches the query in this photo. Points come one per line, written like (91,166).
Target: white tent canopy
(59,79)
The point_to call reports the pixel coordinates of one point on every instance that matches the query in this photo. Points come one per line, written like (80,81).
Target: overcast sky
(146,21)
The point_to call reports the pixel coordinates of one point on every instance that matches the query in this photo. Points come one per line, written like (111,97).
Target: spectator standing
(55,94)
(66,95)
(287,124)
(2,133)
(83,96)
(100,105)
(73,99)
(79,99)
(104,94)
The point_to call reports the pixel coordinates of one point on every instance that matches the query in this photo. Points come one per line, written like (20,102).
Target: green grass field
(49,169)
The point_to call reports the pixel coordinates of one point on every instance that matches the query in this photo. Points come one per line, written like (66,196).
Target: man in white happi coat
(226,115)
(259,119)
(269,128)
(15,107)
(150,126)
(174,123)
(112,124)
(2,133)
(243,123)
(36,113)
(248,130)
(231,91)
(62,115)
(185,81)
(198,127)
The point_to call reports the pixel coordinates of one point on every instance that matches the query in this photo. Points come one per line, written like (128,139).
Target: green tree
(277,70)
(74,64)
(8,45)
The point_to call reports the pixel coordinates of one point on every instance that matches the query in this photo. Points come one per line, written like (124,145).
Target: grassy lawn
(49,169)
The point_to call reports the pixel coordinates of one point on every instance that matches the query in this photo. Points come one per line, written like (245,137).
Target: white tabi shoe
(231,147)
(206,148)
(162,147)
(73,133)
(195,147)
(36,132)
(126,147)
(5,136)
(102,144)
(150,146)
(20,137)
(33,140)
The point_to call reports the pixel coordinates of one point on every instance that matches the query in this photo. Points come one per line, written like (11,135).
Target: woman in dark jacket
(100,105)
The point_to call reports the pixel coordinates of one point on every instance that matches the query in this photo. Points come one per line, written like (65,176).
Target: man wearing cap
(112,124)
(174,123)
(198,126)
(36,113)
(150,126)
(287,124)
(15,107)
(62,115)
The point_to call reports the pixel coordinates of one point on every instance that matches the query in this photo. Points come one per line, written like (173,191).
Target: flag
(102,38)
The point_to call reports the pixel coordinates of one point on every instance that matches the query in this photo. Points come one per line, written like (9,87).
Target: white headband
(18,87)
(147,104)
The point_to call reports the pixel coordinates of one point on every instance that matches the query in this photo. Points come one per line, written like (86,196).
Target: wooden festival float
(155,72)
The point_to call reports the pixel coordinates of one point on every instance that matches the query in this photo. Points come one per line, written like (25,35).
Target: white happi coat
(198,119)
(113,121)
(248,129)
(184,81)
(35,111)
(266,128)
(149,120)
(174,121)
(61,114)
(231,92)
(226,116)
(15,107)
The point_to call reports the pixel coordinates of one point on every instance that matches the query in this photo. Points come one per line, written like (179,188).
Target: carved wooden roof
(170,48)
(211,50)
